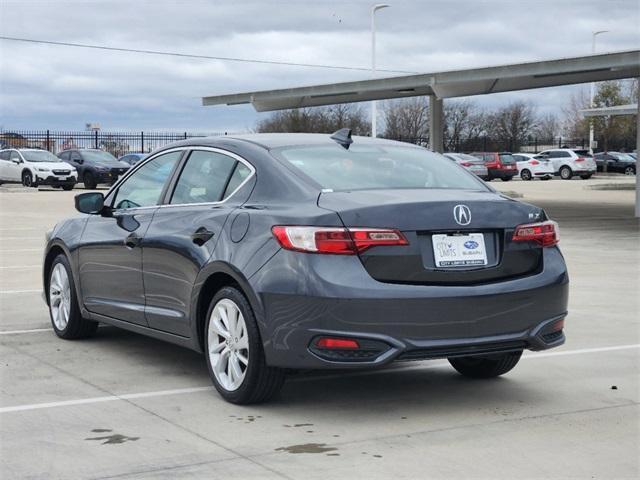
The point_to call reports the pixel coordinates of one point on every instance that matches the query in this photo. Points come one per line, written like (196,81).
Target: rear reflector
(544,233)
(580,159)
(534,162)
(337,343)
(335,240)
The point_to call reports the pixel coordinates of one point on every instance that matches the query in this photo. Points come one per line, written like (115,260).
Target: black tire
(261,382)
(545,178)
(586,176)
(566,173)
(27,180)
(67,187)
(77,327)
(630,170)
(525,175)
(89,181)
(505,179)
(488,366)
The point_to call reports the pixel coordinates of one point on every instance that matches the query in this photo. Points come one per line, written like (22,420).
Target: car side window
(144,186)
(204,178)
(240,174)
(64,156)
(5,155)
(75,156)
(14,156)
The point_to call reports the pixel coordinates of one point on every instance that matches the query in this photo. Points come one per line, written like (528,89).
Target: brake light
(580,159)
(544,233)
(337,343)
(335,240)
(534,162)
(466,164)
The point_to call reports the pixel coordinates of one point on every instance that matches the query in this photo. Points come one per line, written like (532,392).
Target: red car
(501,165)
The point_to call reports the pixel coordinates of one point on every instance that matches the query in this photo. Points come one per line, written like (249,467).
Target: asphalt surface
(124,406)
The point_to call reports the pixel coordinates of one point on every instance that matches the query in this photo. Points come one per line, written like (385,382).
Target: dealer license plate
(459,250)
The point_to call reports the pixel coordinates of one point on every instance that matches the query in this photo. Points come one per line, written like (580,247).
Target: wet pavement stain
(298,425)
(307,448)
(112,439)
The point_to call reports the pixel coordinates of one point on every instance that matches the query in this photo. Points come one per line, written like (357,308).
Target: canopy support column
(436,124)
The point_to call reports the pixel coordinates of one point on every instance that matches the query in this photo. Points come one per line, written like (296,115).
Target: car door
(185,231)
(4,164)
(14,170)
(110,256)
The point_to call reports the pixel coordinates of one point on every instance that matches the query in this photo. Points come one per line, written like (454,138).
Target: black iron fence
(488,144)
(117,143)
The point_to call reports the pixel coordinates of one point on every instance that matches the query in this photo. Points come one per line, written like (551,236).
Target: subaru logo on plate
(471,245)
(462,214)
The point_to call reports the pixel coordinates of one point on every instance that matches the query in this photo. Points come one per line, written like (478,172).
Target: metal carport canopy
(456,83)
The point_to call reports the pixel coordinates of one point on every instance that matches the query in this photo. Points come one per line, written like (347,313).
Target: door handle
(132,241)
(201,236)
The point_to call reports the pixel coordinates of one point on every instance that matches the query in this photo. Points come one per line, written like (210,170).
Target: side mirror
(90,202)
(79,161)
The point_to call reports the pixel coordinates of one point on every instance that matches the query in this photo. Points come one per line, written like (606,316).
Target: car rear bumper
(502,173)
(406,322)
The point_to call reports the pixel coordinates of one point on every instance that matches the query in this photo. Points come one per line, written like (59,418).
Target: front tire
(67,187)
(566,173)
(630,170)
(234,353)
(89,181)
(526,175)
(27,180)
(488,366)
(64,309)
(586,176)
(505,179)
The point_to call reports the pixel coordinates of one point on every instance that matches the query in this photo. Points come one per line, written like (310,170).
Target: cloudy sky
(55,87)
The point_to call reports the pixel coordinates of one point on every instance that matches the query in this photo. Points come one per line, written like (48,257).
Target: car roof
(276,140)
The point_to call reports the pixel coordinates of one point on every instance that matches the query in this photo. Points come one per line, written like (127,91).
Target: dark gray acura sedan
(273,252)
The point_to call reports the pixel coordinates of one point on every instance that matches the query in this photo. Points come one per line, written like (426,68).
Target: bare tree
(407,119)
(575,125)
(548,127)
(464,124)
(317,120)
(512,125)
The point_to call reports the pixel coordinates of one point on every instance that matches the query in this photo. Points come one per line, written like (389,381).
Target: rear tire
(526,175)
(488,366)
(586,176)
(566,173)
(505,179)
(235,342)
(64,309)
(89,181)
(67,187)
(630,170)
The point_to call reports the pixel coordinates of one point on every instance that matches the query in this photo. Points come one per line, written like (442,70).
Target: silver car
(471,163)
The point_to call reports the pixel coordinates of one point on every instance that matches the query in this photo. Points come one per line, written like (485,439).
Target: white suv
(33,167)
(568,162)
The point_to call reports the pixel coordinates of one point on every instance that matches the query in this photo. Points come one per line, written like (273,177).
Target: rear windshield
(377,166)
(507,159)
(583,153)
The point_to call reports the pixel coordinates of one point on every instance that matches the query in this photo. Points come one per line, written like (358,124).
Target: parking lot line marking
(14,292)
(17,267)
(181,391)
(23,250)
(33,330)
(22,238)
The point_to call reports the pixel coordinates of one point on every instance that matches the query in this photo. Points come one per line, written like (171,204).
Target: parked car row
(616,162)
(34,167)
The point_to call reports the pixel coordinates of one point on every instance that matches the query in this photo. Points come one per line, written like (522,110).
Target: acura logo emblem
(462,214)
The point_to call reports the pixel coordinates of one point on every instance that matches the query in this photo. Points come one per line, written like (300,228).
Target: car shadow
(403,386)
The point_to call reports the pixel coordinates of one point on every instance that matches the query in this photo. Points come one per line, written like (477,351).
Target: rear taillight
(544,233)
(466,164)
(580,159)
(534,162)
(335,240)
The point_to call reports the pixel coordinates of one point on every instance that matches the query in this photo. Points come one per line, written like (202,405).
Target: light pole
(593,51)
(374,113)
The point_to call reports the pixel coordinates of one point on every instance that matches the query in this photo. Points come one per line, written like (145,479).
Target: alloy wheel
(26,180)
(60,296)
(629,171)
(228,344)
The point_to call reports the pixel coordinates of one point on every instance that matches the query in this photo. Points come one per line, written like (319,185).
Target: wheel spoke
(234,369)
(243,359)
